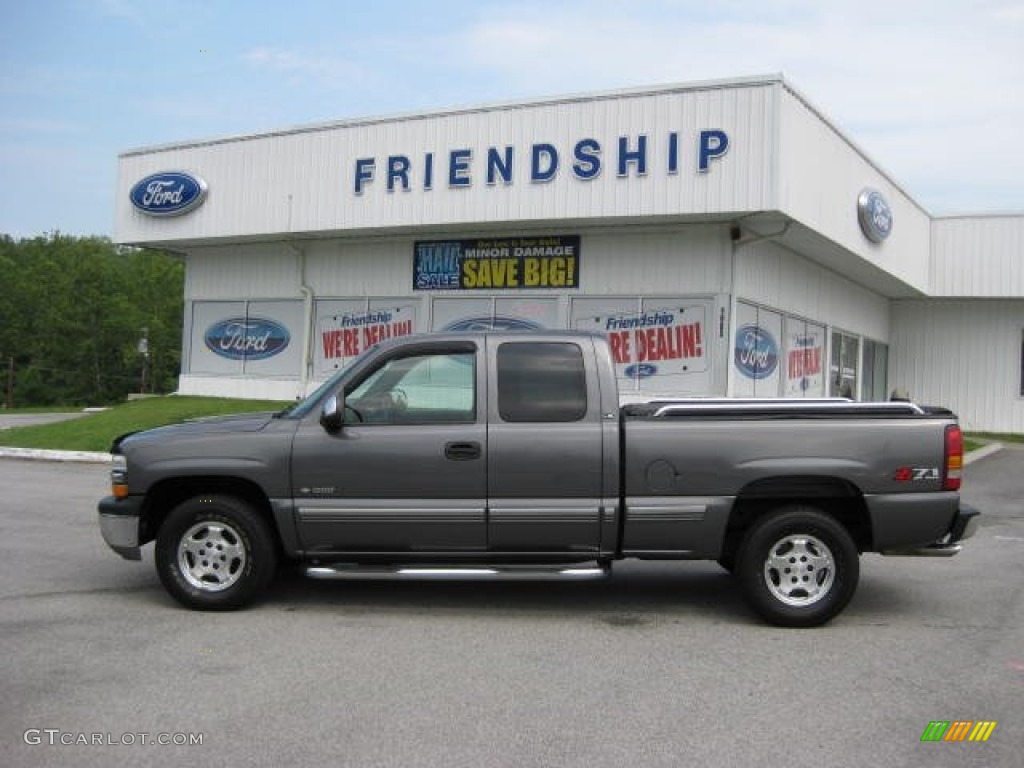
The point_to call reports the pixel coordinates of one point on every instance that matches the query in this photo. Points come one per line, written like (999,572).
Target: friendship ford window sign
(517,263)
(170,193)
(246,338)
(874,215)
(659,342)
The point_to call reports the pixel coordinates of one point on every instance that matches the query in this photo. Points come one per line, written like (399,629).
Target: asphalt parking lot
(660,666)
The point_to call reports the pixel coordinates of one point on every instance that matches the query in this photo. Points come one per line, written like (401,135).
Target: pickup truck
(508,455)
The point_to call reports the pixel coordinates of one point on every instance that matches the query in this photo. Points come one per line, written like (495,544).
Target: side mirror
(332,414)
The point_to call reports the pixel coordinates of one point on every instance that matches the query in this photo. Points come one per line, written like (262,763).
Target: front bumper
(965,525)
(119,524)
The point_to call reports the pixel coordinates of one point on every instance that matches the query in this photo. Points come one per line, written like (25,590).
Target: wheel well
(167,494)
(836,497)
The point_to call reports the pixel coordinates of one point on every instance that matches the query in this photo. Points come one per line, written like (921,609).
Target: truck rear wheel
(215,553)
(798,567)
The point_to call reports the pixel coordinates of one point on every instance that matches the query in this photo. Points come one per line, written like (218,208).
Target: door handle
(462,451)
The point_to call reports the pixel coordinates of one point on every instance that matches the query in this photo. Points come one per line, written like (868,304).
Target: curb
(981,453)
(39,454)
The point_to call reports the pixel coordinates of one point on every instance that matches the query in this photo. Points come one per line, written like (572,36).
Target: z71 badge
(913,474)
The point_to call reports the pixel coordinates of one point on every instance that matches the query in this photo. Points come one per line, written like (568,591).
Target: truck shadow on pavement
(630,598)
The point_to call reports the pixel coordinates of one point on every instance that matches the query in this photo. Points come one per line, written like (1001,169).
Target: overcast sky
(932,91)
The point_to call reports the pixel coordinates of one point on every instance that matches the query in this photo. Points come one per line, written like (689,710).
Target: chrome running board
(465,572)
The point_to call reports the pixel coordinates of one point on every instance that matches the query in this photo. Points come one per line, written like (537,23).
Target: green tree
(72,314)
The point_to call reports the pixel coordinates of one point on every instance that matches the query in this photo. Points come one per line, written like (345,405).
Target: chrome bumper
(965,525)
(119,524)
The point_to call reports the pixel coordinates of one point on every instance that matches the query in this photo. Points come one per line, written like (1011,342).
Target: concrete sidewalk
(12,420)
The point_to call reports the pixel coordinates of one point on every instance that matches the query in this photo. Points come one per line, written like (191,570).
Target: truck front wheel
(798,567)
(215,553)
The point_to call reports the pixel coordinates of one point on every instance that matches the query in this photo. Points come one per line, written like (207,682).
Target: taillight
(954,458)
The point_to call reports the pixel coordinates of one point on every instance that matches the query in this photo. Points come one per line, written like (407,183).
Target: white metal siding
(303,181)
(821,175)
(778,278)
(244,271)
(964,355)
(684,260)
(978,256)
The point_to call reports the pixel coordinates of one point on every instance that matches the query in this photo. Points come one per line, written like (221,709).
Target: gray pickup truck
(508,455)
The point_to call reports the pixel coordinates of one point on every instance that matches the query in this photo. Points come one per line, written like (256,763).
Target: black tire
(215,553)
(797,567)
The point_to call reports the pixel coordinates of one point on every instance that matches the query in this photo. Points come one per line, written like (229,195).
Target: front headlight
(119,476)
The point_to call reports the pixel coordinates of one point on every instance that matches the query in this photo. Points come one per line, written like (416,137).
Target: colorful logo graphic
(640,371)
(958,730)
(756,352)
(874,215)
(171,193)
(491,323)
(247,338)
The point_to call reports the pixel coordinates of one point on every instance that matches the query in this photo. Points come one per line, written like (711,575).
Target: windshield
(303,407)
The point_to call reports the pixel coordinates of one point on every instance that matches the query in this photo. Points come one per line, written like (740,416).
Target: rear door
(544,458)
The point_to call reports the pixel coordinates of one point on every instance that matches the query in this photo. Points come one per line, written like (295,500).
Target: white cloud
(121,9)
(320,69)
(29,125)
(930,90)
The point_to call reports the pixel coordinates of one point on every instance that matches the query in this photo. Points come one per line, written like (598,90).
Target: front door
(407,471)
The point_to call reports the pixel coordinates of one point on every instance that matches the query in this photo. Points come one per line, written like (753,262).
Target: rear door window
(541,382)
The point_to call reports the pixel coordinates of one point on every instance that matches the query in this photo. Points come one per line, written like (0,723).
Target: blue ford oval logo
(492,323)
(874,215)
(640,370)
(253,338)
(168,194)
(756,352)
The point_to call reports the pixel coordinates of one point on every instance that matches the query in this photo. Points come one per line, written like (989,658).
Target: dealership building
(726,237)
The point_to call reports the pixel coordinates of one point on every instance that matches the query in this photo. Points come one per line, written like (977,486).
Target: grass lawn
(96,431)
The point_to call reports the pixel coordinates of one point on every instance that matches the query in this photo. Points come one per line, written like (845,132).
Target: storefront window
(660,345)
(345,328)
(876,370)
(485,313)
(845,365)
(246,337)
(804,373)
(756,351)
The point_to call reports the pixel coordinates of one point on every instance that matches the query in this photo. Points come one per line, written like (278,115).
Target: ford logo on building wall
(171,193)
(874,215)
(756,353)
(252,338)
(491,323)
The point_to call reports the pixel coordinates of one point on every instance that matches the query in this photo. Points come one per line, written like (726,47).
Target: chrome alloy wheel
(799,570)
(211,556)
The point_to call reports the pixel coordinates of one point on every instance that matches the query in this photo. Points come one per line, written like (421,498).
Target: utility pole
(144,351)
(10,382)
